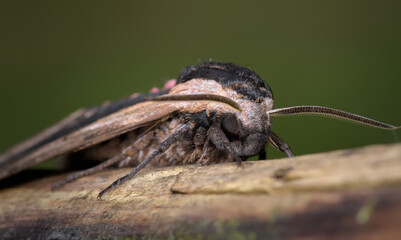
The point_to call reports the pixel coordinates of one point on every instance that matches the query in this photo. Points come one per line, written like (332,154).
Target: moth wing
(32,151)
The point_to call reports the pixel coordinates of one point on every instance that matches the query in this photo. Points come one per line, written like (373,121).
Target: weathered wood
(347,194)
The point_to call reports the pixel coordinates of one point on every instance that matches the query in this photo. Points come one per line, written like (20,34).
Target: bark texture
(346,194)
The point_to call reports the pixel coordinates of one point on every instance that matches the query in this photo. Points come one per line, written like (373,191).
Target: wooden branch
(347,194)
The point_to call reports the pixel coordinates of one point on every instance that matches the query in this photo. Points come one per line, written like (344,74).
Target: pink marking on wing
(169,84)
(154,90)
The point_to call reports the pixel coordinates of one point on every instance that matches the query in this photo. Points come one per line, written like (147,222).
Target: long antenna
(332,113)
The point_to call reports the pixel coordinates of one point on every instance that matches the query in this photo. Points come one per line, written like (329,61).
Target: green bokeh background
(58,56)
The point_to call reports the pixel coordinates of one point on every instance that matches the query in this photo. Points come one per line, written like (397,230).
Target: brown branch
(348,194)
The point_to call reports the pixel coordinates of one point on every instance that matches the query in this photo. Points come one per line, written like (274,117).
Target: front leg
(253,145)
(279,144)
(220,140)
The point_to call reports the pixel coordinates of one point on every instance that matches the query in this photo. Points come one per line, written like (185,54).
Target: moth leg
(262,153)
(253,144)
(204,153)
(126,153)
(199,141)
(220,140)
(279,144)
(137,146)
(160,149)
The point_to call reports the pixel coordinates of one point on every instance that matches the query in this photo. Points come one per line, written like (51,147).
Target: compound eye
(230,126)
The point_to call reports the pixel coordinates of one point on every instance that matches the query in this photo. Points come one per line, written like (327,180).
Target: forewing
(73,122)
(122,121)
(103,129)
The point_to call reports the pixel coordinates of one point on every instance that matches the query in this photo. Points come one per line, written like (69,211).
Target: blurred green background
(58,56)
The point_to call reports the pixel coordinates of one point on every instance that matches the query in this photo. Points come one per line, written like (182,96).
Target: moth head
(253,96)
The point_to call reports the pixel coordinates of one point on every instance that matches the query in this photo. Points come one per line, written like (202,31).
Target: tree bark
(346,194)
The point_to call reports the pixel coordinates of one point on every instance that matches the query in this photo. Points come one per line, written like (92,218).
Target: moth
(214,112)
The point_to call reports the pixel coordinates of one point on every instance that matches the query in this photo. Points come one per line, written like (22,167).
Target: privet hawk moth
(214,112)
